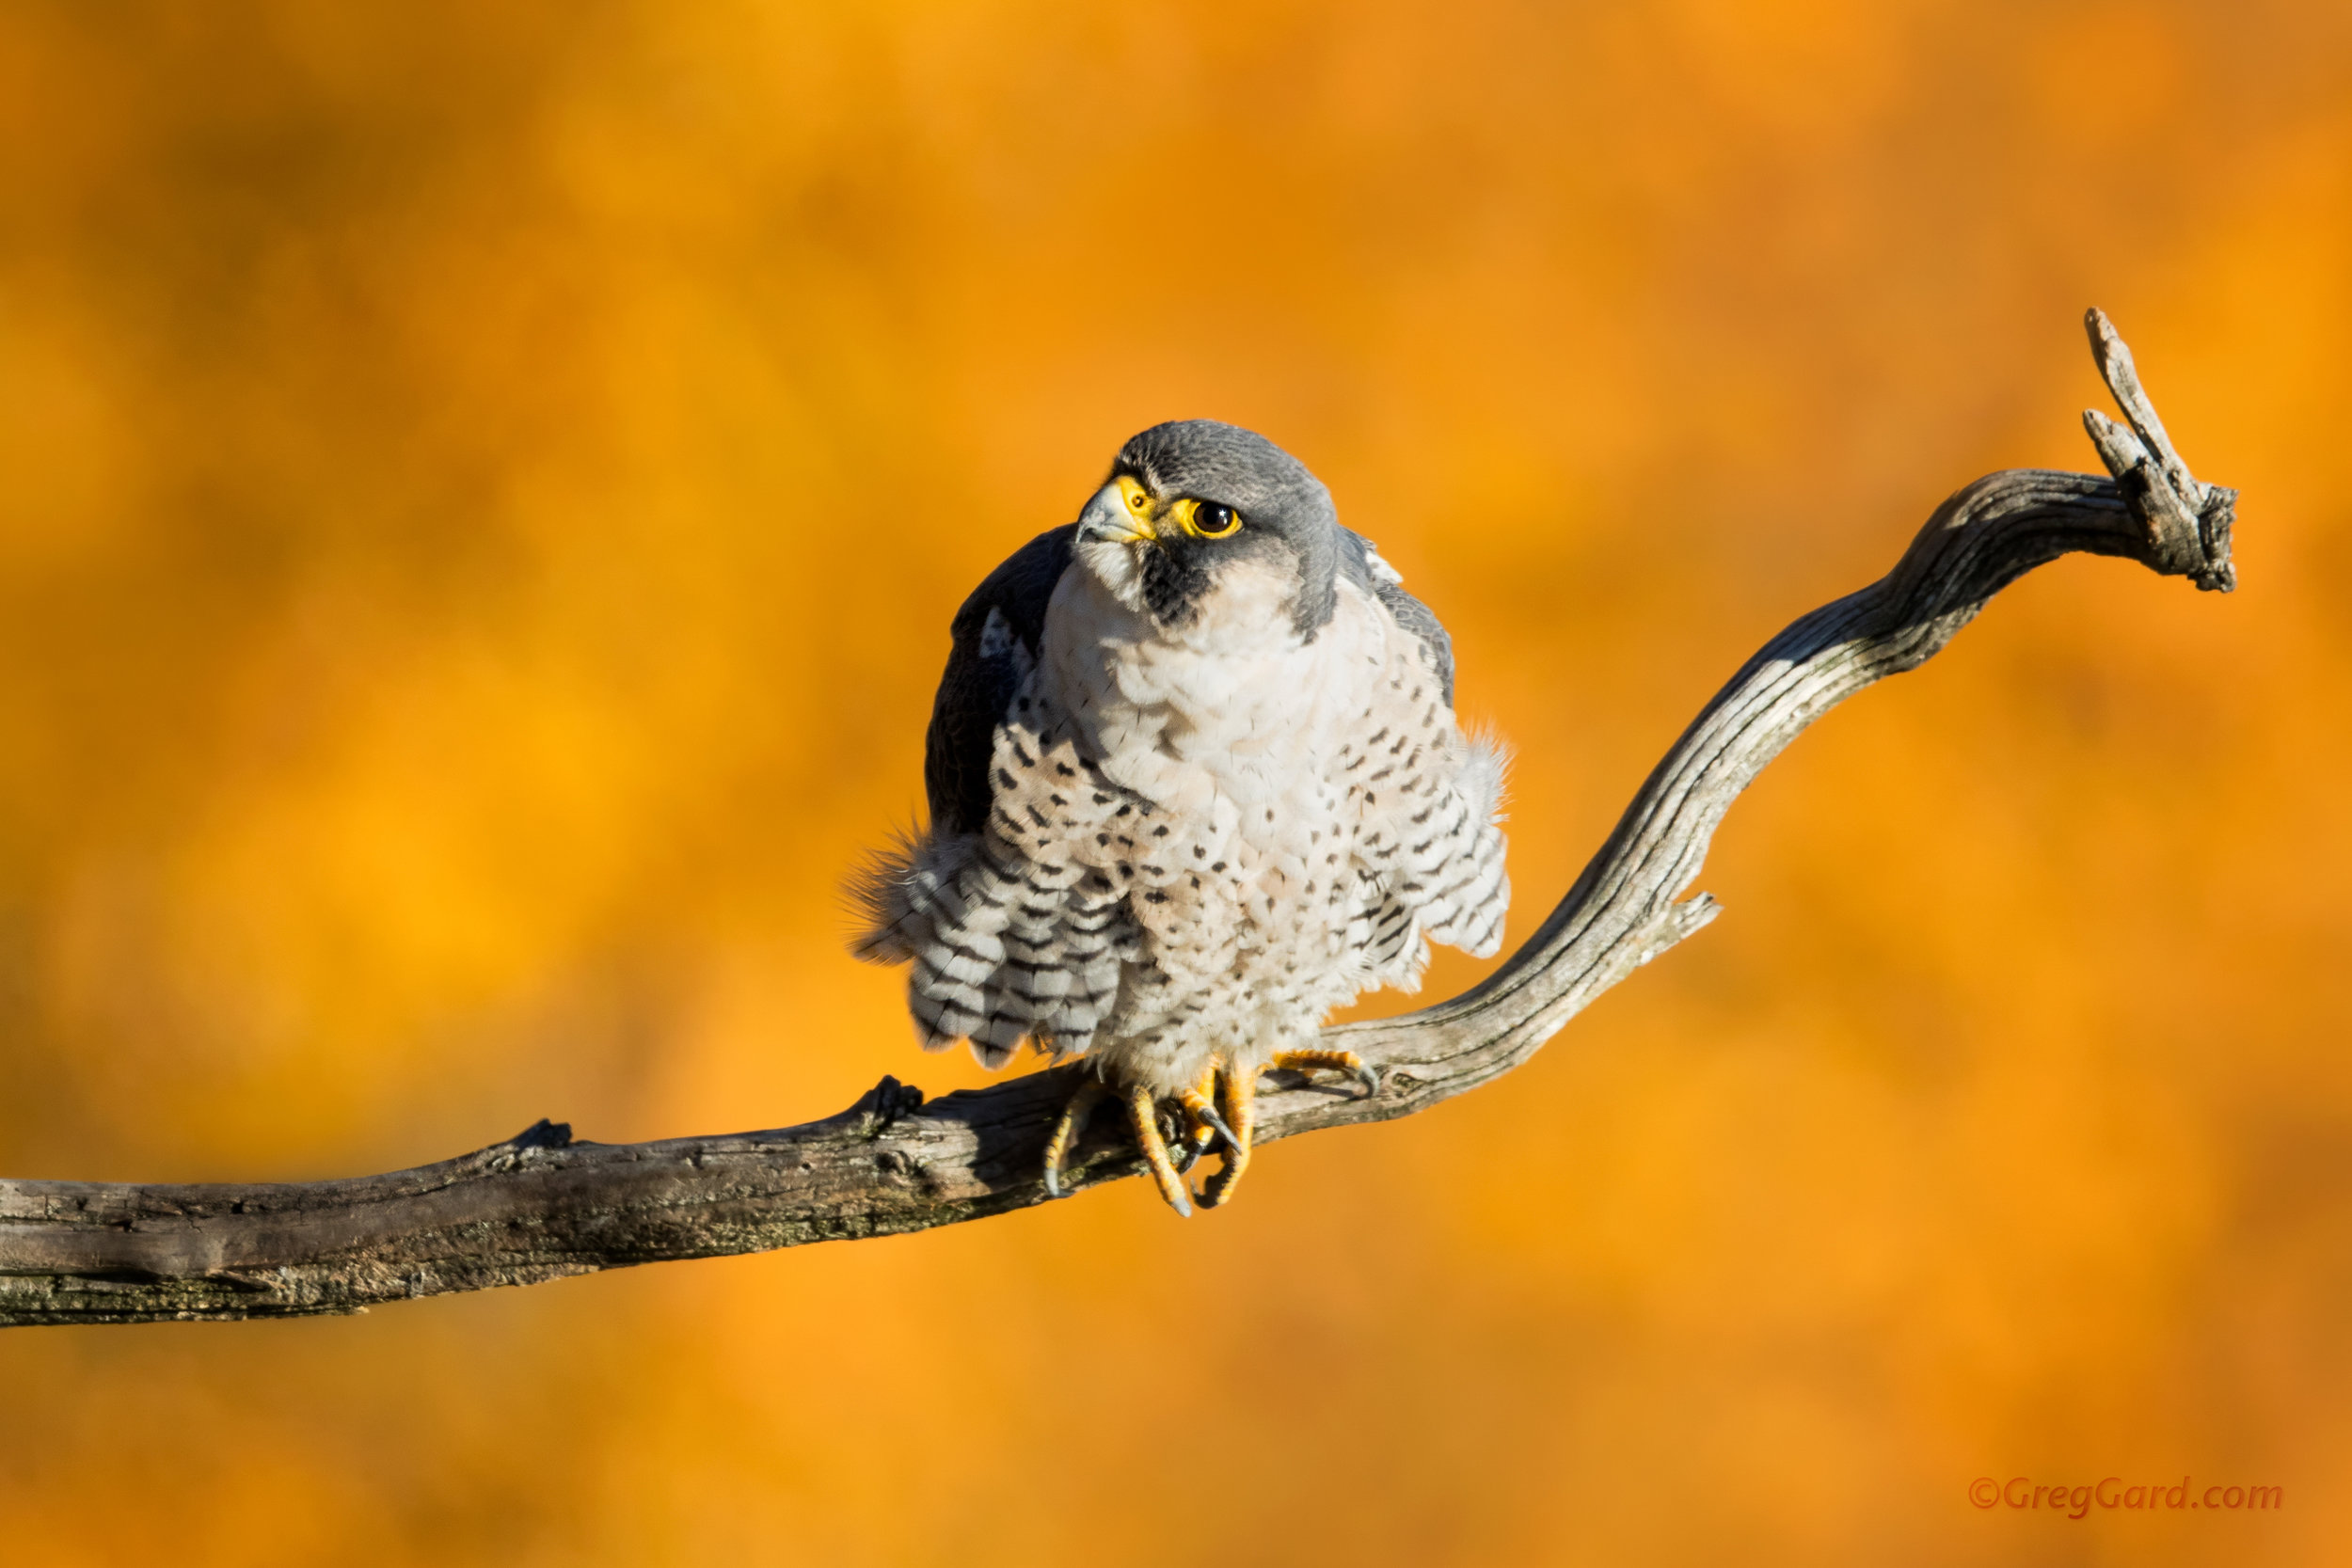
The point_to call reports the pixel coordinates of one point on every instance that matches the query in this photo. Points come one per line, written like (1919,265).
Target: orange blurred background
(481,492)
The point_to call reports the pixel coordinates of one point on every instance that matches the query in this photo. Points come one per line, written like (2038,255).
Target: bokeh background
(481,489)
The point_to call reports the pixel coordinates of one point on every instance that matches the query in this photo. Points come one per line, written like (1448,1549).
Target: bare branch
(542,1205)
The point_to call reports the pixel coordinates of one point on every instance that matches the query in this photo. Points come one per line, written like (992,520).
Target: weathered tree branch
(542,1205)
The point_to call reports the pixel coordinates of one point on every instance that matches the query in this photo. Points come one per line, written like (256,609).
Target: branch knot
(883,1106)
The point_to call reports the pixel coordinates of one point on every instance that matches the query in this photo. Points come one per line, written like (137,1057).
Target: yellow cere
(1139,502)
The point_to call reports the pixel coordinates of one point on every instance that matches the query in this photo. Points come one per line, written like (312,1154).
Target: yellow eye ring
(1213,520)
(1206,519)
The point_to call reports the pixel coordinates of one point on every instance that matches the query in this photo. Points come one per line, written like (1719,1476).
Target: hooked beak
(1109,516)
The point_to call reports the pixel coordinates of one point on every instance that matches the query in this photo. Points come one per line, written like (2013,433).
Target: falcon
(1195,781)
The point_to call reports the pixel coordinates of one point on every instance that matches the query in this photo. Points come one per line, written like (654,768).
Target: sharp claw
(1208,1126)
(1369,1076)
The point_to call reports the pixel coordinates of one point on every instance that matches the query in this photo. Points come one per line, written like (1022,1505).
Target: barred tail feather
(889,891)
(997,959)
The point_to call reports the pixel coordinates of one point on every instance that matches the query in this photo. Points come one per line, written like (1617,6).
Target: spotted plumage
(1195,781)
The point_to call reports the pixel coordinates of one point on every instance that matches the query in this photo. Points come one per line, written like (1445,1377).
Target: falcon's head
(1194,506)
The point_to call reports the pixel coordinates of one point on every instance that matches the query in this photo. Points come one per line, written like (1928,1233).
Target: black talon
(1208,1114)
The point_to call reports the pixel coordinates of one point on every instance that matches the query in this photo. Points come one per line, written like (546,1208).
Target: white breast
(1269,797)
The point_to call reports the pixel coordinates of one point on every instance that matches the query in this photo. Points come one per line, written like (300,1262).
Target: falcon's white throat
(1247,609)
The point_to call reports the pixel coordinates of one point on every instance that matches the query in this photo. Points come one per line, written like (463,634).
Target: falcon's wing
(1457,897)
(1360,559)
(996,636)
(1001,951)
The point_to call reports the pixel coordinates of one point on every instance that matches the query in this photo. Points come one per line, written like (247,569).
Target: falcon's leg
(1143,1115)
(1069,1129)
(1240,1094)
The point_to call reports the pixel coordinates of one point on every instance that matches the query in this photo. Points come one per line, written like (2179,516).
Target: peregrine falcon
(1195,781)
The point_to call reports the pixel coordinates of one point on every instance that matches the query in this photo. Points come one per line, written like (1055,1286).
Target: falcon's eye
(1216,520)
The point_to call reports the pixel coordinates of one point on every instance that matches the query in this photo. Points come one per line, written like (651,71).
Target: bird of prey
(1195,781)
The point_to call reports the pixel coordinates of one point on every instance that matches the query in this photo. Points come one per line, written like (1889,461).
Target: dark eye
(1215,522)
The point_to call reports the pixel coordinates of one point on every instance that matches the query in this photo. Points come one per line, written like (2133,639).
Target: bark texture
(544,1204)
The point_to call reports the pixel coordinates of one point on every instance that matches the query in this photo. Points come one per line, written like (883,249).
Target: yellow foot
(1206,1125)
(1239,1091)
(1337,1061)
(1144,1116)
(1069,1128)
(1232,1116)
(1198,1126)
